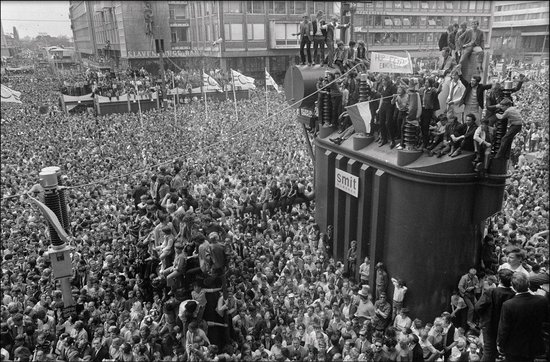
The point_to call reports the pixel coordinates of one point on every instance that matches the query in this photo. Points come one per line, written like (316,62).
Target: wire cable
(217,143)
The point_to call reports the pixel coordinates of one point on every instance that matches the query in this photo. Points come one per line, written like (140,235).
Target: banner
(270,81)
(241,81)
(385,63)
(52,219)
(360,116)
(210,83)
(10,96)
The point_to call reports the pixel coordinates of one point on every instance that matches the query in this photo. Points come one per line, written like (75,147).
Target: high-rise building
(245,35)
(520,31)
(415,26)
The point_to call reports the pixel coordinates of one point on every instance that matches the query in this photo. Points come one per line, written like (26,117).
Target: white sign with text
(347,182)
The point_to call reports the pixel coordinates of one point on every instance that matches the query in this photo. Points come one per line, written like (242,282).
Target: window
(208,32)
(407,5)
(379,5)
(377,20)
(359,21)
(232,7)
(279,7)
(255,31)
(486,5)
(397,21)
(299,7)
(431,21)
(233,31)
(178,12)
(214,7)
(439,21)
(463,5)
(424,5)
(321,6)
(448,5)
(178,34)
(429,38)
(387,21)
(397,4)
(255,7)
(406,22)
(432,5)
(423,21)
(440,5)
(283,35)
(472,5)
(484,22)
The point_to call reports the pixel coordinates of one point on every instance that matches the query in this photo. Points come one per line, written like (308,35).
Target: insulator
(363,88)
(64,219)
(410,136)
(327,109)
(48,180)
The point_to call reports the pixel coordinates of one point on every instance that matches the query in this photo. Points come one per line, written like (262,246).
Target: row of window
(522,17)
(522,6)
(421,39)
(203,8)
(416,21)
(471,5)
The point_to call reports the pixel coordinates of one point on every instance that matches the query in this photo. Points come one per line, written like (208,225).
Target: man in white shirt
(515,257)
(454,100)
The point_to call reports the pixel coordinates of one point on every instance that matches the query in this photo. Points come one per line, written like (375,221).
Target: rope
(193,152)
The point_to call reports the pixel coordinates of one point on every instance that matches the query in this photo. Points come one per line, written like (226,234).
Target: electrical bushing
(410,136)
(64,220)
(327,109)
(48,180)
(363,88)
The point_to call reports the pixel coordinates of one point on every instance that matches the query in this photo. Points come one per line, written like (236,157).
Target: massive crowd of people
(195,240)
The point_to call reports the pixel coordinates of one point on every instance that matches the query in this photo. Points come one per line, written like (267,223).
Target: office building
(520,31)
(254,34)
(394,27)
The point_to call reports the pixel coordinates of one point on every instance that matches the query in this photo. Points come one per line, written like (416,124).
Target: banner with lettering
(386,63)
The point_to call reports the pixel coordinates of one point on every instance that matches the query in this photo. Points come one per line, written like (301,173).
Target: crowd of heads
(143,189)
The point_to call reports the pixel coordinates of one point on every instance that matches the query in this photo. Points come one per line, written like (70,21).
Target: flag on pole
(10,95)
(360,116)
(270,81)
(52,219)
(209,83)
(242,81)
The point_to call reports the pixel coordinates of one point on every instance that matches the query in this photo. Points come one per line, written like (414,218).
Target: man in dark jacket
(520,328)
(488,308)
(474,95)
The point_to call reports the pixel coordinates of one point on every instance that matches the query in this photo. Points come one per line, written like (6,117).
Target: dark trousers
(330,47)
(385,116)
(305,43)
(336,102)
(489,345)
(425,119)
(506,142)
(318,45)
(397,124)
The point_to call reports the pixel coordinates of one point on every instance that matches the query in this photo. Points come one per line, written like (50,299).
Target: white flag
(209,83)
(241,81)
(10,95)
(271,82)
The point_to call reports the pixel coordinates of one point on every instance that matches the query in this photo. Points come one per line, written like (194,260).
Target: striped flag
(360,116)
(241,81)
(270,81)
(10,95)
(52,219)
(209,83)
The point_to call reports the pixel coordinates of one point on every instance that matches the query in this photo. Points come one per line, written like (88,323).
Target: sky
(34,17)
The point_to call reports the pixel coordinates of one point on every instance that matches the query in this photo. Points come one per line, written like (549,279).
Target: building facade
(415,26)
(252,35)
(520,31)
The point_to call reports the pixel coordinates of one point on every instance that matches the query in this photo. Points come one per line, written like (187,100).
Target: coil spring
(51,199)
